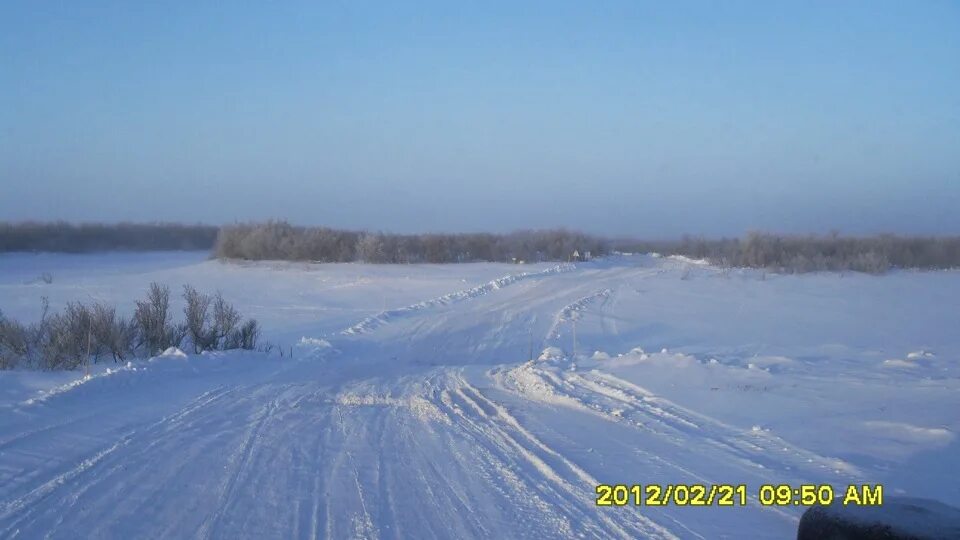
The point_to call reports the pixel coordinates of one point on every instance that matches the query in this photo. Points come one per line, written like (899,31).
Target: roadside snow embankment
(371,323)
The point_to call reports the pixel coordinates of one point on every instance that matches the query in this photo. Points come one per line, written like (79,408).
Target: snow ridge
(371,323)
(571,311)
(621,401)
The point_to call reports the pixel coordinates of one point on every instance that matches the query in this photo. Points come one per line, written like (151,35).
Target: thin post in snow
(574,320)
(86,360)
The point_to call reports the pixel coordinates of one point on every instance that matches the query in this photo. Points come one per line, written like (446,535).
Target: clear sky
(638,118)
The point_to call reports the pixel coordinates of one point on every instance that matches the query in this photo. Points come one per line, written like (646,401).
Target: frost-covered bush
(370,248)
(68,338)
(214,324)
(278,240)
(14,342)
(113,335)
(245,336)
(225,321)
(152,322)
(198,319)
(84,333)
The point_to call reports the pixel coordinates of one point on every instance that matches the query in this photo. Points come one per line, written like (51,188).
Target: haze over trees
(795,254)
(279,240)
(781,253)
(64,237)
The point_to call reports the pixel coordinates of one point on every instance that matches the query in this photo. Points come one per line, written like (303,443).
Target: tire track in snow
(25,505)
(362,524)
(675,429)
(556,478)
(231,438)
(572,311)
(238,463)
(620,401)
(412,474)
(525,494)
(309,518)
(29,434)
(110,472)
(608,322)
(755,447)
(372,323)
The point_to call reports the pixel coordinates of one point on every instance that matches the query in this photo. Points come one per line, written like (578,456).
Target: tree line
(281,240)
(64,237)
(798,254)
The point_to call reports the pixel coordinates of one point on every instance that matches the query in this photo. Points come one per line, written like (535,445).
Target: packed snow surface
(480,400)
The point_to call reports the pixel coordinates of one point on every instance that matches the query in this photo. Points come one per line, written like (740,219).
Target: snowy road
(430,420)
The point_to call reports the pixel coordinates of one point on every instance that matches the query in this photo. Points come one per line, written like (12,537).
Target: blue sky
(637,118)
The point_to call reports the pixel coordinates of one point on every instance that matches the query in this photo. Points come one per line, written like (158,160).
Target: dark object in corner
(899,518)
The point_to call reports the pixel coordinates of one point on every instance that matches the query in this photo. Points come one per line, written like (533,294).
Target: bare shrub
(197,312)
(249,334)
(225,321)
(244,337)
(67,340)
(14,343)
(111,334)
(81,334)
(152,322)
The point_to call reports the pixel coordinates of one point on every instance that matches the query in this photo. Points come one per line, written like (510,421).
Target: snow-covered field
(411,409)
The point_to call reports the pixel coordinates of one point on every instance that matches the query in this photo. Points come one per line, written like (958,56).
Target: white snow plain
(429,401)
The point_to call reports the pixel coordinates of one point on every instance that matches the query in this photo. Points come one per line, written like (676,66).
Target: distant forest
(66,237)
(279,240)
(798,254)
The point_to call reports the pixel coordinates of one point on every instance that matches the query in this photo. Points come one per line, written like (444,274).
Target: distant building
(577,256)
